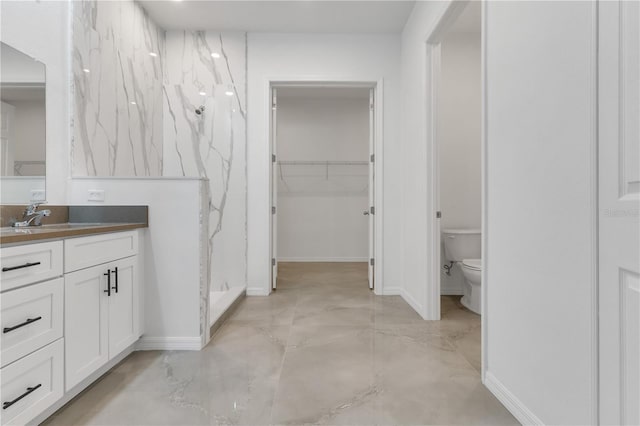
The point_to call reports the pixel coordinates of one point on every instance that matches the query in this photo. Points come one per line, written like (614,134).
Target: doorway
(454,93)
(323,175)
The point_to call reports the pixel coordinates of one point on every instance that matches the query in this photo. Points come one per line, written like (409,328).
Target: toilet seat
(475,264)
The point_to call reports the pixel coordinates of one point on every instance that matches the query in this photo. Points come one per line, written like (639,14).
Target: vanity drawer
(30,318)
(84,252)
(30,263)
(32,384)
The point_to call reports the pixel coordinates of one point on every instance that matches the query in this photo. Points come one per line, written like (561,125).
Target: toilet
(463,247)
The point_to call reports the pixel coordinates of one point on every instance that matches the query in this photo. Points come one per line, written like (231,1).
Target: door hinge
(438,215)
(273,158)
(372,210)
(273,261)
(372,262)
(373,158)
(273,209)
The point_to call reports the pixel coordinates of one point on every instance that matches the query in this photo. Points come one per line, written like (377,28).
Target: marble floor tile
(322,349)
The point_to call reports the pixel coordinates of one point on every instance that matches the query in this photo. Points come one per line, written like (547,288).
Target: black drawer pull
(115,271)
(108,275)
(26,265)
(15,327)
(8,404)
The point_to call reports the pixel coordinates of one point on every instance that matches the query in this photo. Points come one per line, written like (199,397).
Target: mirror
(23,129)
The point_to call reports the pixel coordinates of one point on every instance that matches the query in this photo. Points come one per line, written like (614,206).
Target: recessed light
(154,54)
(86,70)
(203,93)
(133,102)
(228,93)
(215,55)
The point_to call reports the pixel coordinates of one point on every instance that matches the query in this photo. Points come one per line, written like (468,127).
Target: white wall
(175,299)
(540,227)
(320,209)
(30,131)
(321,57)
(459,140)
(41,30)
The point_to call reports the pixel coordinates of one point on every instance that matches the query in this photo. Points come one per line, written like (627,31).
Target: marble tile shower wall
(136,90)
(117,85)
(208,69)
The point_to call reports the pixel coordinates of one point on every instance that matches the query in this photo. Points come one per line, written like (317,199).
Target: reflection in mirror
(23,130)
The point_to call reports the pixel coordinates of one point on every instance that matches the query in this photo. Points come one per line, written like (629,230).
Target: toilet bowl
(472,271)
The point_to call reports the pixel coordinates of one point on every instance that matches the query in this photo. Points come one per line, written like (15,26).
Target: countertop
(10,235)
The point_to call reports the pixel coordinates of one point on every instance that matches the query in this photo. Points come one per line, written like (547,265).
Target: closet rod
(323,163)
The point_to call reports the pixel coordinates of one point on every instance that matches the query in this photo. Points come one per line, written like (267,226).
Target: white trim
(432,42)
(392,291)
(510,401)
(258,291)
(169,344)
(484,236)
(412,301)
(323,259)
(451,291)
(594,209)
(377,84)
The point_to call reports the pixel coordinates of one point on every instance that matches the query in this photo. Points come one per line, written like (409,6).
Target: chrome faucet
(32,216)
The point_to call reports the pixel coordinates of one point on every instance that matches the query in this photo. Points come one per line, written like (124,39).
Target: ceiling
(295,16)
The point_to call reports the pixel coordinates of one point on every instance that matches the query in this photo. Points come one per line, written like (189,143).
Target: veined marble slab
(117,90)
(208,69)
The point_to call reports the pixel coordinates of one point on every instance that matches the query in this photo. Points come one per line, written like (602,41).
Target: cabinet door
(123,305)
(86,323)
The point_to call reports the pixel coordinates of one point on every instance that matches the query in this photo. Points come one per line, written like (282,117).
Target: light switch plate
(96,195)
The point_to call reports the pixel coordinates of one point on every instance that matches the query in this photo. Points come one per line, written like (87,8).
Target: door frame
(346,82)
(433,40)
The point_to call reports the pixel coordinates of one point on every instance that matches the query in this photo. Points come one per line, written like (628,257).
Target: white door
(619,204)
(274,190)
(7,118)
(123,317)
(86,328)
(372,222)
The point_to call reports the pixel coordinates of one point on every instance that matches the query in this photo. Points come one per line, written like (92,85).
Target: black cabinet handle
(115,271)
(108,275)
(26,265)
(8,404)
(15,327)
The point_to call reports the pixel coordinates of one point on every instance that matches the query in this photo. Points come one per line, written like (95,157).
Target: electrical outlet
(96,195)
(37,195)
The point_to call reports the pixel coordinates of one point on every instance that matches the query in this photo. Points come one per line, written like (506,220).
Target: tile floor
(322,349)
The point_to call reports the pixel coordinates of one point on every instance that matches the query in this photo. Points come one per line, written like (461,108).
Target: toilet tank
(460,244)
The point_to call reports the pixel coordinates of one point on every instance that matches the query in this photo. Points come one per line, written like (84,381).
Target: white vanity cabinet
(68,307)
(101,302)
(31,318)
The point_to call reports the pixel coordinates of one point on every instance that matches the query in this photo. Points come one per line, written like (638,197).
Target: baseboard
(149,343)
(391,291)
(510,401)
(257,291)
(323,259)
(451,291)
(412,302)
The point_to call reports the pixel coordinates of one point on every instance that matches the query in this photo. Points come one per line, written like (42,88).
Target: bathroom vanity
(71,307)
